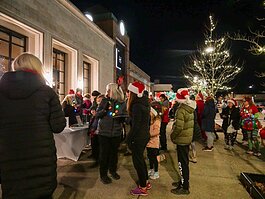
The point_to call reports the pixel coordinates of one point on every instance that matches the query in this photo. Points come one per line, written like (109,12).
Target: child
(249,116)
(153,144)
(93,124)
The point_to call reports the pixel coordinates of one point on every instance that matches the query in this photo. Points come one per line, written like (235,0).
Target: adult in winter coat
(250,124)
(139,111)
(208,122)
(231,120)
(182,133)
(200,108)
(164,122)
(30,114)
(109,131)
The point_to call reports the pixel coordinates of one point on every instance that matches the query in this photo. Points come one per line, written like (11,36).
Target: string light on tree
(211,68)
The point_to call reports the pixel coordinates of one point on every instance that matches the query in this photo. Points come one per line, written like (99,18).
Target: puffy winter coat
(109,125)
(182,130)
(154,134)
(30,114)
(208,116)
(230,115)
(140,116)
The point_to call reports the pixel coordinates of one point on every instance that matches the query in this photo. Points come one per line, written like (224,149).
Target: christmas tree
(211,67)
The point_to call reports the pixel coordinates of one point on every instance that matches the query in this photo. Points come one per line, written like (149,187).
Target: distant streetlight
(251,86)
(209,49)
(89,16)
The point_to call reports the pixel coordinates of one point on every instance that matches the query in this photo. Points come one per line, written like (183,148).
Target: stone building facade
(75,52)
(137,74)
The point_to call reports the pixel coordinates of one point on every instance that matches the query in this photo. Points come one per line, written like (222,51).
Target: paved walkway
(214,176)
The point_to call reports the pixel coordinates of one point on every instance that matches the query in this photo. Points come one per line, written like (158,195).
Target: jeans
(108,154)
(152,154)
(210,139)
(139,164)
(183,158)
(193,153)
(163,136)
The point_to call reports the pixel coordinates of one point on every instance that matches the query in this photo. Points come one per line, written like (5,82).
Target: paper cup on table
(67,122)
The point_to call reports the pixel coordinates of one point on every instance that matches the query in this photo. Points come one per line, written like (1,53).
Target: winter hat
(137,88)
(232,101)
(95,93)
(71,91)
(154,111)
(79,90)
(183,95)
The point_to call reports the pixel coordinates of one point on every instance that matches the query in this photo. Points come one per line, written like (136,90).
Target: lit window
(12,44)
(58,83)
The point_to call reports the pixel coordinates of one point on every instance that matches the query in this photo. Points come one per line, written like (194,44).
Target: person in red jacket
(164,122)
(200,108)
(250,123)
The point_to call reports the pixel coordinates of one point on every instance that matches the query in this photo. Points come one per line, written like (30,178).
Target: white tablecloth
(71,142)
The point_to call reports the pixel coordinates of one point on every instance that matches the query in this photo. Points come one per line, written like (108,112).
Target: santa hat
(183,95)
(199,96)
(232,101)
(137,88)
(154,111)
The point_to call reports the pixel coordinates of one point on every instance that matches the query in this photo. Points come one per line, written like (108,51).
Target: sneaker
(258,154)
(138,191)
(208,148)
(250,152)
(148,186)
(115,176)
(193,160)
(155,176)
(180,191)
(106,180)
(151,172)
(177,185)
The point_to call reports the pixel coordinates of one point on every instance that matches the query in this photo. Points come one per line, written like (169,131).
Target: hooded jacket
(208,116)
(30,114)
(140,117)
(182,129)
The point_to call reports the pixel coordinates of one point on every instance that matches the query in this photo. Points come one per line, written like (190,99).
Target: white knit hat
(137,88)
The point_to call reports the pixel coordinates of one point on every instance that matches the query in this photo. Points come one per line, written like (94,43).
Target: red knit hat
(137,88)
(71,91)
(182,95)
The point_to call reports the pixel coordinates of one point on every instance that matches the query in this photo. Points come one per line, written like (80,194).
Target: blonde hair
(116,92)
(28,61)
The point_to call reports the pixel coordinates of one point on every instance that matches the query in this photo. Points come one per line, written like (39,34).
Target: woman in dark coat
(30,114)
(231,119)
(109,131)
(139,110)
(208,122)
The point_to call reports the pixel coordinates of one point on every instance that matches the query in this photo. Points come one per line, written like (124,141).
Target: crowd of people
(27,142)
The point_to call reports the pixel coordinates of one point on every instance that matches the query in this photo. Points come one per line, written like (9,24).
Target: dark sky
(163,33)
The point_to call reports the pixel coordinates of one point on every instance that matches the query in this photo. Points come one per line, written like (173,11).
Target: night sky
(164,33)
